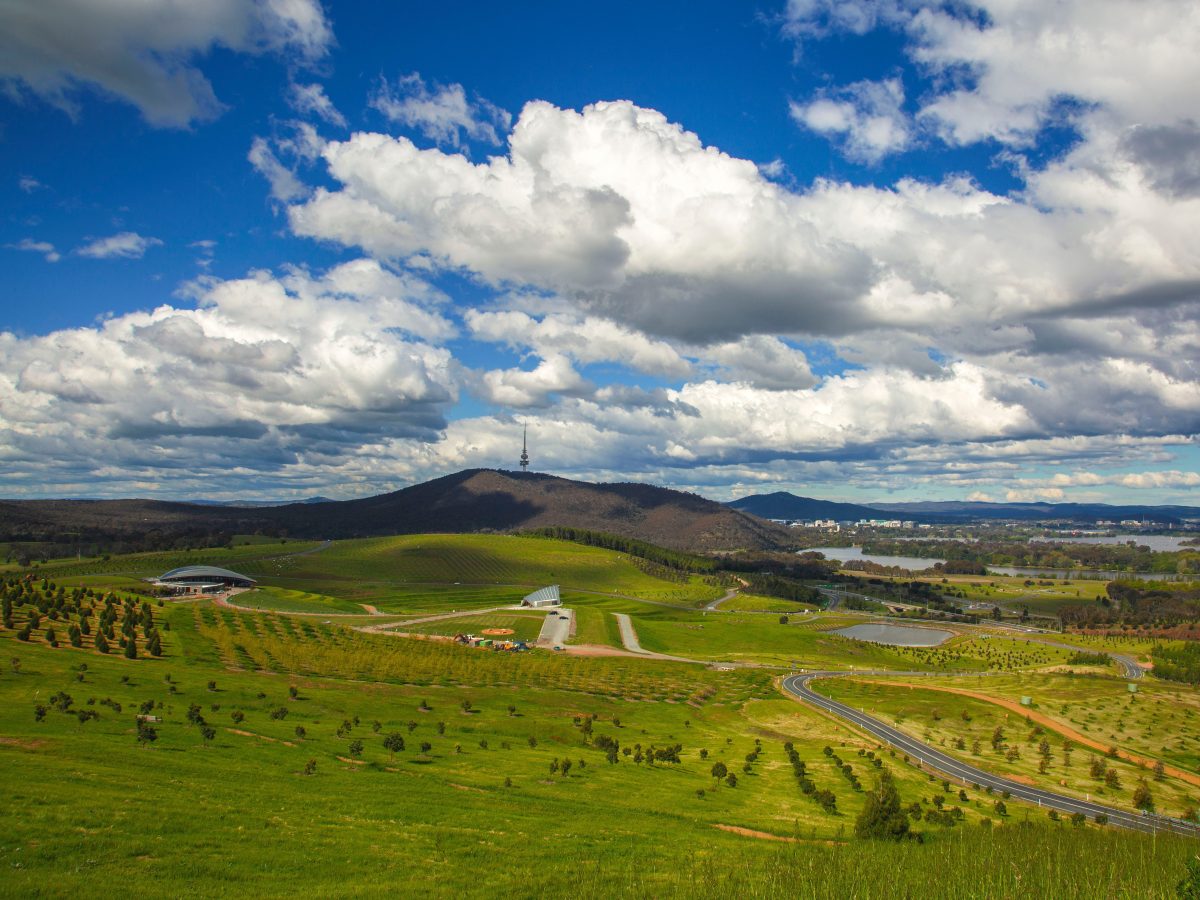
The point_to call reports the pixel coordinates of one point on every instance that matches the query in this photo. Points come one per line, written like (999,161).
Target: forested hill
(782,505)
(472,500)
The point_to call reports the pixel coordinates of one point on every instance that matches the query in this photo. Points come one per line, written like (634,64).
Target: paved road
(729,595)
(556,628)
(628,636)
(798,686)
(836,596)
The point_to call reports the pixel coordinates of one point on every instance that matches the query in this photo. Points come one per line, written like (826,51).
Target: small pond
(900,635)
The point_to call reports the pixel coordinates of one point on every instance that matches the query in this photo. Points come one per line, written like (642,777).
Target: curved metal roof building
(206,575)
(547,596)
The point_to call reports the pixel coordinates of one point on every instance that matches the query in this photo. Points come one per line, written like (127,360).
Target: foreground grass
(88,808)
(294,792)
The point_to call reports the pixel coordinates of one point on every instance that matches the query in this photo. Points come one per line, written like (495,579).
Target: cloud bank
(658,308)
(146,53)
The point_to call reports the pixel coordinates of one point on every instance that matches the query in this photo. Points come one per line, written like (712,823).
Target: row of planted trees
(81,617)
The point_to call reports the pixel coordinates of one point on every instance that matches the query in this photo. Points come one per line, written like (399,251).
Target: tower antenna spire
(524,447)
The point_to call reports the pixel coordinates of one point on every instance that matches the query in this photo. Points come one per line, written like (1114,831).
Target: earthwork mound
(496,631)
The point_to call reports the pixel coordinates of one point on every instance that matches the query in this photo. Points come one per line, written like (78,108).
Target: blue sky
(867,250)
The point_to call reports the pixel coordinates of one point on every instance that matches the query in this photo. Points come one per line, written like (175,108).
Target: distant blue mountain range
(783,505)
(256,504)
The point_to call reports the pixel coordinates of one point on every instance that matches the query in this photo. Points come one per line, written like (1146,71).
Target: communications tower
(525,448)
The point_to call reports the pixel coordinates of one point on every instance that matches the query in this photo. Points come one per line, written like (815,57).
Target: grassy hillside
(475,812)
(144,565)
(269,774)
(424,572)
(410,573)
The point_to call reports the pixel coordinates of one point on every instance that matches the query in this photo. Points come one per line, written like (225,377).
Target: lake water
(900,635)
(1160,543)
(916,564)
(845,554)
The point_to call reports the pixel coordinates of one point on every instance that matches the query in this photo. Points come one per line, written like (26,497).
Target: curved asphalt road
(798,686)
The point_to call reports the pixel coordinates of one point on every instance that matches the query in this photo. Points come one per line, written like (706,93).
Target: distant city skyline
(881,250)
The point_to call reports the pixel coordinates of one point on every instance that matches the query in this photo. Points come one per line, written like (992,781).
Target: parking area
(557,627)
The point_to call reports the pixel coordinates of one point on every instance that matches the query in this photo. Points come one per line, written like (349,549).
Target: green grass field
(278,599)
(144,565)
(411,574)
(293,790)
(237,815)
(394,573)
(595,626)
(754,603)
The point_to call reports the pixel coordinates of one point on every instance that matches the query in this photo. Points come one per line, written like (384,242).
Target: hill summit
(498,500)
(467,501)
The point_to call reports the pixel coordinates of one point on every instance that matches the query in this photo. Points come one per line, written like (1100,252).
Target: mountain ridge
(785,505)
(468,501)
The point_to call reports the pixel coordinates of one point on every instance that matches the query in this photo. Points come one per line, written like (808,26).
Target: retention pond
(899,635)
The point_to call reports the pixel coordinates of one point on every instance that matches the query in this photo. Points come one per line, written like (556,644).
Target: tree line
(1137,603)
(1127,557)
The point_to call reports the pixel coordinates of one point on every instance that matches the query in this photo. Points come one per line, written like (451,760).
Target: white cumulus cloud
(266,374)
(146,52)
